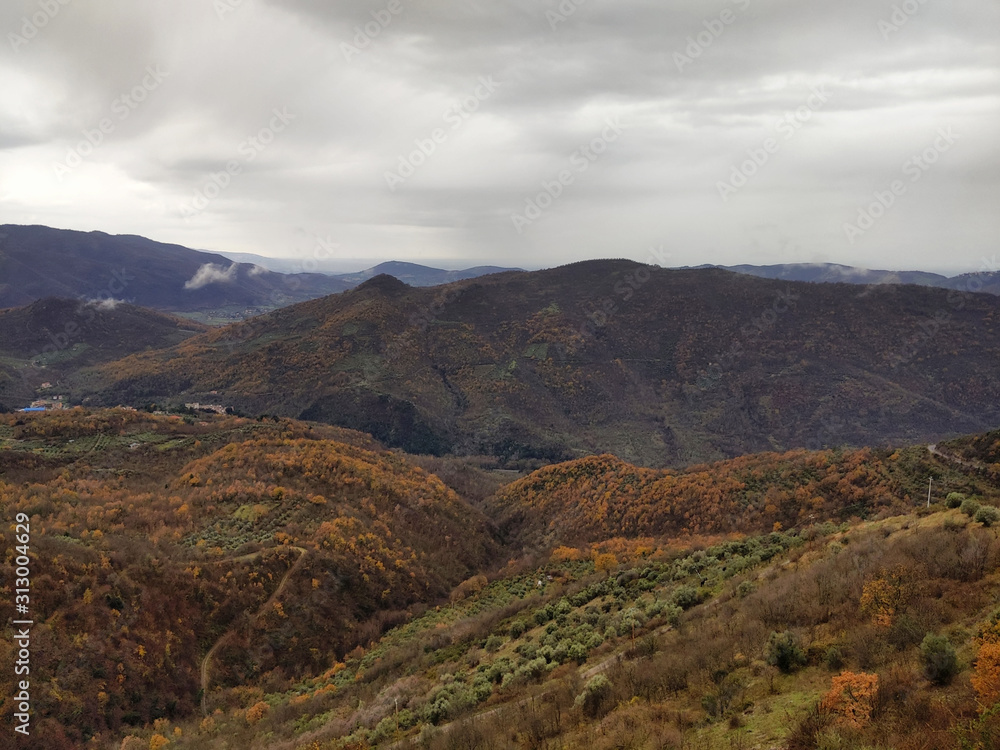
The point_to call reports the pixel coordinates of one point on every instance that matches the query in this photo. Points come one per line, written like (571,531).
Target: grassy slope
(517,656)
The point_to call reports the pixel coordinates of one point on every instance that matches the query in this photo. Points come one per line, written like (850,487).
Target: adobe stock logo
(915,168)
(250,148)
(369,32)
(455,116)
(579,162)
(698,43)
(787,127)
(32,25)
(122,107)
(901,15)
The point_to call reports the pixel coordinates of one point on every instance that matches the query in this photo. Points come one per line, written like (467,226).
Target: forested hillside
(659,367)
(153,539)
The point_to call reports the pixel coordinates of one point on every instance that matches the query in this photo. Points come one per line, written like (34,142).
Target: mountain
(278,265)
(835,635)
(835,273)
(38,262)
(832,273)
(660,367)
(103,330)
(988,282)
(417,275)
(44,341)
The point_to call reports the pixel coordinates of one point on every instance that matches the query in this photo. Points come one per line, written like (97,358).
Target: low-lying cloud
(211,273)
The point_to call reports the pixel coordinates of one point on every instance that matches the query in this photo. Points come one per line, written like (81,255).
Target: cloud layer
(750,131)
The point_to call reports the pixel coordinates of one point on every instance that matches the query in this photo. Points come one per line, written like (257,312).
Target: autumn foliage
(884,596)
(852,698)
(986,676)
(153,537)
(601,496)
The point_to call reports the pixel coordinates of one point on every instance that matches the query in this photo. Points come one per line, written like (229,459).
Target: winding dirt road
(206,662)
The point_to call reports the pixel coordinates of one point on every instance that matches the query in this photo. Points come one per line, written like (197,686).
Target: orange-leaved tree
(884,596)
(986,676)
(852,698)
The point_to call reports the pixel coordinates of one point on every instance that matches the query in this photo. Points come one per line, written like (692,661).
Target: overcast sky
(513,133)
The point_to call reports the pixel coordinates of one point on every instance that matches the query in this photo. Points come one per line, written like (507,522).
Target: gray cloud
(686,126)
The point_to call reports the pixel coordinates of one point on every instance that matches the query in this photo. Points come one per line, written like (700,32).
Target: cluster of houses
(47,404)
(217,408)
(59,402)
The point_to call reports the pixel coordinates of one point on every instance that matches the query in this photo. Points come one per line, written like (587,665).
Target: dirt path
(933,450)
(206,662)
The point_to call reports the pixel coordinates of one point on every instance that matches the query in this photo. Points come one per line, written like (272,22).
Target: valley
(224,581)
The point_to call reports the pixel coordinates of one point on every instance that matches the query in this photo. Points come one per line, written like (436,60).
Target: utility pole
(930,483)
(397,718)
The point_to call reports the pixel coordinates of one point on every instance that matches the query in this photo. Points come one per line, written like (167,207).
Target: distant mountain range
(658,366)
(414,274)
(832,273)
(418,275)
(38,262)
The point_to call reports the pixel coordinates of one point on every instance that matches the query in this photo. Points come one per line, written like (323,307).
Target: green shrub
(534,669)
(482,688)
(493,643)
(673,615)
(987,515)
(834,658)
(518,628)
(685,597)
(577,652)
(595,697)
(783,651)
(939,658)
(954,499)
(969,507)
(544,614)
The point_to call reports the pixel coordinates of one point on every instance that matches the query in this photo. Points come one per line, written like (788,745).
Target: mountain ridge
(38,262)
(548,365)
(979,281)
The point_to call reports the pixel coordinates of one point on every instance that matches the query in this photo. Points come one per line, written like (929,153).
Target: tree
(883,597)
(256,712)
(939,658)
(783,651)
(954,499)
(595,696)
(605,562)
(987,515)
(986,676)
(852,698)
